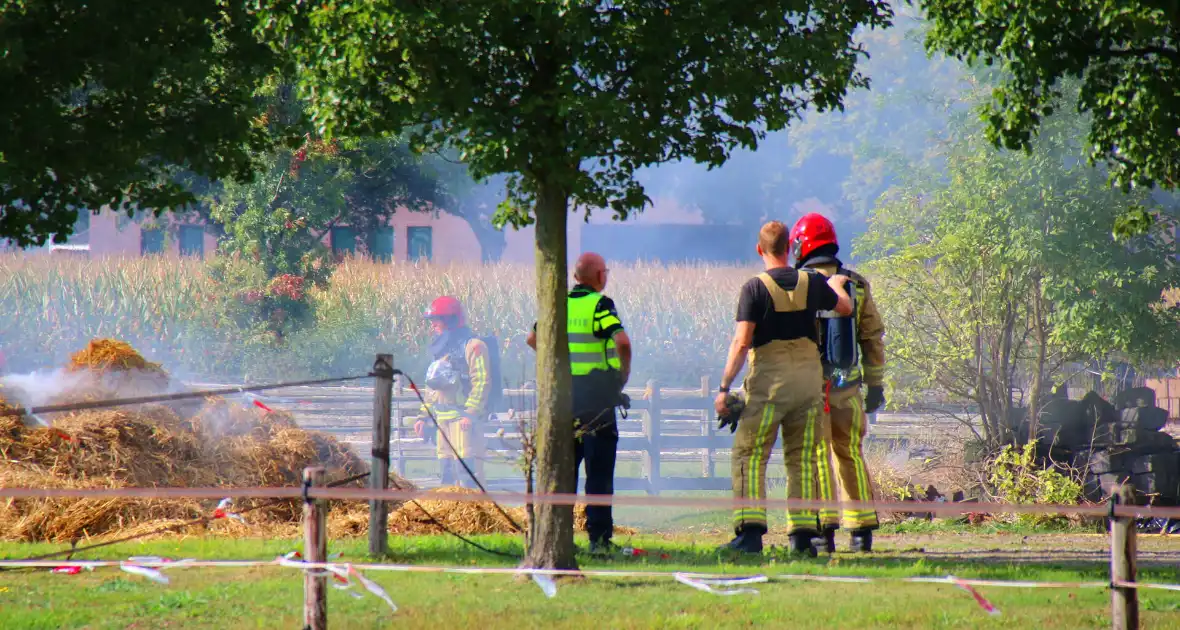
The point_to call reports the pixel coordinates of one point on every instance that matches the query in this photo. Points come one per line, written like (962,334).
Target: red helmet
(446,307)
(811,232)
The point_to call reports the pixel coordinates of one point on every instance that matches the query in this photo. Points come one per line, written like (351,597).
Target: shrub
(1017,477)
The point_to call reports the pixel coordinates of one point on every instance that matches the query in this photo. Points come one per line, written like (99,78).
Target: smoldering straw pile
(210,443)
(206,443)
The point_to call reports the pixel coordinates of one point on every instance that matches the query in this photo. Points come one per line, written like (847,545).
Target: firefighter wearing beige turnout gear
(776,326)
(814,245)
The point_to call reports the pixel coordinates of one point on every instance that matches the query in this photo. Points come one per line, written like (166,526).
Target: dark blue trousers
(597,449)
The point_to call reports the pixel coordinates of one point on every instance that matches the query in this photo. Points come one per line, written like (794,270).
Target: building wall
(109,238)
(452,238)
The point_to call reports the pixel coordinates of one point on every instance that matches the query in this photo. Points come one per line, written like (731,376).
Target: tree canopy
(1126,56)
(102,103)
(569,99)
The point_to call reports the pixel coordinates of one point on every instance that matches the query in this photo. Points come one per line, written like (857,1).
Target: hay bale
(111,355)
(7,408)
(65,519)
(465,518)
(215,444)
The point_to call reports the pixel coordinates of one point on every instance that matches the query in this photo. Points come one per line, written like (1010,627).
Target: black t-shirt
(756,305)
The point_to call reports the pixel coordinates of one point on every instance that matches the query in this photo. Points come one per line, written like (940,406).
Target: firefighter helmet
(446,307)
(811,231)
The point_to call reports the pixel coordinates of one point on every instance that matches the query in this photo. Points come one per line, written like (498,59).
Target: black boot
(862,540)
(829,545)
(748,539)
(804,541)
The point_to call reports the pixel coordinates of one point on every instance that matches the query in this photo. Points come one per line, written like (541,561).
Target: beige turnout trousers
(784,392)
(843,432)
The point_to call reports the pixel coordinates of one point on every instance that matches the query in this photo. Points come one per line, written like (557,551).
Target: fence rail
(664,426)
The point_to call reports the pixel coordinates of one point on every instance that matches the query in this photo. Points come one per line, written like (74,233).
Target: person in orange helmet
(458,391)
(853,354)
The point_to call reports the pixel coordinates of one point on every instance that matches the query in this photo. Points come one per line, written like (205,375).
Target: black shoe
(604,548)
(748,540)
(829,544)
(862,541)
(805,542)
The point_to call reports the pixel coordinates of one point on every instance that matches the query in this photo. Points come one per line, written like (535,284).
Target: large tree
(997,271)
(101,103)
(569,98)
(1125,54)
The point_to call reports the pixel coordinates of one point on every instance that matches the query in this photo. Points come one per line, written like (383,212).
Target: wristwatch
(724,389)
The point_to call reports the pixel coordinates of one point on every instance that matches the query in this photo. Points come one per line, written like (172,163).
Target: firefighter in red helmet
(457,391)
(853,353)
(775,334)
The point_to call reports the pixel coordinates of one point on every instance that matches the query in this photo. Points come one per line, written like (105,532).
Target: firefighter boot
(829,544)
(804,541)
(862,540)
(748,539)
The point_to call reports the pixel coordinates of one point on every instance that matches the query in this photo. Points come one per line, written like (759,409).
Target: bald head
(590,270)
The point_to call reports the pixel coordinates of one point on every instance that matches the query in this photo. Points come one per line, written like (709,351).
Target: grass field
(269,597)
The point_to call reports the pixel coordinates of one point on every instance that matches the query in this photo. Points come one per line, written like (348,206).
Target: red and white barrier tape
(520,498)
(288,561)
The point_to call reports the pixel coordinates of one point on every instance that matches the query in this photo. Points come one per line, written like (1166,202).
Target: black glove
(733,411)
(874,399)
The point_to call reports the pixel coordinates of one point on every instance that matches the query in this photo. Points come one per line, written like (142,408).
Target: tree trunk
(1038,372)
(981,391)
(553,538)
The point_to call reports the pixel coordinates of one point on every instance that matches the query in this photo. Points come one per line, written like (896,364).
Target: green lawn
(270,597)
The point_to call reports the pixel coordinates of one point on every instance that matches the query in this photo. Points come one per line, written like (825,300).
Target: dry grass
(215,444)
(212,443)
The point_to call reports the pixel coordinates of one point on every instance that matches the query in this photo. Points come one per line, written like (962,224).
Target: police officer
(814,246)
(784,388)
(600,360)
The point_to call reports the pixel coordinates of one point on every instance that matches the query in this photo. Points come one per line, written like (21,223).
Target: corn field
(680,318)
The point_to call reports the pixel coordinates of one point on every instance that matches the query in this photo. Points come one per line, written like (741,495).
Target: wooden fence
(665,427)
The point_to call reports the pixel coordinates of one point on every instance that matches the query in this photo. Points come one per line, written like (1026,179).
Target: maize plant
(176,312)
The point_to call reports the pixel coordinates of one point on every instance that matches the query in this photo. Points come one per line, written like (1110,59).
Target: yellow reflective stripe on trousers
(759,447)
(755,471)
(827,516)
(806,468)
(864,489)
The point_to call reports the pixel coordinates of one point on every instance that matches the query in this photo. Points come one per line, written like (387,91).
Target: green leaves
(1126,54)
(543,89)
(102,103)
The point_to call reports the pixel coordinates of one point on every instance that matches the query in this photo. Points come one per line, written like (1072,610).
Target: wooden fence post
(706,431)
(1124,601)
(651,427)
(399,461)
(315,549)
(379,453)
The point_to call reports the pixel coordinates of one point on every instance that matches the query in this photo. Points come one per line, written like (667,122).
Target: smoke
(41,388)
(50,387)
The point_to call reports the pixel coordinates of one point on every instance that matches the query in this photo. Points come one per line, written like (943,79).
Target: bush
(1017,477)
